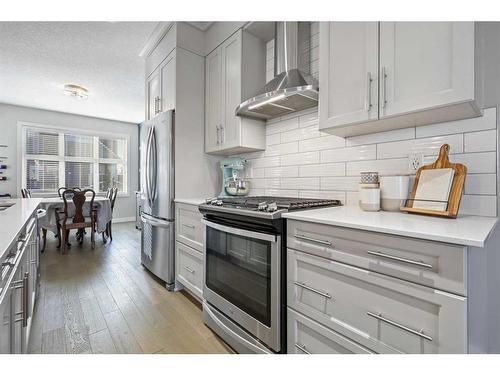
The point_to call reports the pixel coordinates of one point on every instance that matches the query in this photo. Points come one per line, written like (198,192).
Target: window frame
(22,126)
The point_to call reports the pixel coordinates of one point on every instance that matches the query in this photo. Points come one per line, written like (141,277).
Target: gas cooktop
(264,206)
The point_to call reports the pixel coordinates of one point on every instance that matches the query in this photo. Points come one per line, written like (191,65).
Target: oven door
(242,279)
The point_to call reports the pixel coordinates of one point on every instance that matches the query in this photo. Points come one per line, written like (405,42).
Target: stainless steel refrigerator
(157,196)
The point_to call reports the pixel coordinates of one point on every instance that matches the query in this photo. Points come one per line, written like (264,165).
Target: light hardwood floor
(104,301)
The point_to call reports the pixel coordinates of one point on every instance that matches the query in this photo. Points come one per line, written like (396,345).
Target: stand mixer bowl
(237,186)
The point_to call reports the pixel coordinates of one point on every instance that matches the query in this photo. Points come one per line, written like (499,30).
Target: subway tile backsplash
(300,161)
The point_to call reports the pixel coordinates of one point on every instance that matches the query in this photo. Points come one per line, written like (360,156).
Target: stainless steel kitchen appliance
(157,196)
(245,255)
(293,88)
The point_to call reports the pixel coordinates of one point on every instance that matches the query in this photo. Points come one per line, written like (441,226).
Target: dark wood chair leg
(92,238)
(110,232)
(63,234)
(68,245)
(44,237)
(59,236)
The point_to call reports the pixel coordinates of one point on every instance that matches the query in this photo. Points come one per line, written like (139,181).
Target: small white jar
(369,197)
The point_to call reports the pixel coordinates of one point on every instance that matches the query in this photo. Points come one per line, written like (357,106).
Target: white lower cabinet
(377,312)
(189,265)
(305,336)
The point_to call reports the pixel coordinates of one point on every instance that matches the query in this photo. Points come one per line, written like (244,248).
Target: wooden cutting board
(456,189)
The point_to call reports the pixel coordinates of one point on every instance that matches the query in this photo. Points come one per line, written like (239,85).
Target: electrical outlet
(415,161)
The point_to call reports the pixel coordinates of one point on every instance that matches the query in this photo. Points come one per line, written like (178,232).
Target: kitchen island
(20,260)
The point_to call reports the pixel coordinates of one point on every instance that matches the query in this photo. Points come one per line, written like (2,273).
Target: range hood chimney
(293,89)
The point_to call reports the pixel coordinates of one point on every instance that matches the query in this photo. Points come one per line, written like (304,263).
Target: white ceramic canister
(393,192)
(369,197)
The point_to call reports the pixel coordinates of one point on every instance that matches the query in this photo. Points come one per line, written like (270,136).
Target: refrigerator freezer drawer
(157,248)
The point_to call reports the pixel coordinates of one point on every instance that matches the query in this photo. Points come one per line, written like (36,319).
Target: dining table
(49,221)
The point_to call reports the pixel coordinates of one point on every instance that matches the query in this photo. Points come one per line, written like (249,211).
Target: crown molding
(158,33)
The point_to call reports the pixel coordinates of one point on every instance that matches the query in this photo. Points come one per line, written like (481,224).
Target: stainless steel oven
(243,289)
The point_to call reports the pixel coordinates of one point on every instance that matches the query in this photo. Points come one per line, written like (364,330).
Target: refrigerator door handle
(154,221)
(148,151)
(155,164)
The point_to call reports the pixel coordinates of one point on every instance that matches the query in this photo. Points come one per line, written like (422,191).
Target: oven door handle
(241,232)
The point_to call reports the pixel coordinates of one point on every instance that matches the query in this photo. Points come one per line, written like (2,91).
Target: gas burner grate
(282,202)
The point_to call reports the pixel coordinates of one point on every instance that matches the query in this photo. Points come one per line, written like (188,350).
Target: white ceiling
(38,58)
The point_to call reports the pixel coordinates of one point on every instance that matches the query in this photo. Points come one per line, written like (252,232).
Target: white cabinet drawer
(379,312)
(189,228)
(189,268)
(437,265)
(305,336)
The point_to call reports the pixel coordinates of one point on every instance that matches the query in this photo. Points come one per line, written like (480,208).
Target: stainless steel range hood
(293,88)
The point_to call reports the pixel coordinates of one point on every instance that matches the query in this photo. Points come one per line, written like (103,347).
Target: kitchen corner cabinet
(234,71)
(389,75)
(160,88)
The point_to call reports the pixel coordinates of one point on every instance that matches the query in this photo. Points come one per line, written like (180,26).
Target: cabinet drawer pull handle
(305,238)
(398,259)
(384,87)
(304,286)
(188,225)
(369,81)
(395,324)
(189,269)
(302,348)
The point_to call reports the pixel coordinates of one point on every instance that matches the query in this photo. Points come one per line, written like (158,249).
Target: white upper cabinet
(233,73)
(167,70)
(153,90)
(412,73)
(426,64)
(213,97)
(231,89)
(160,88)
(349,71)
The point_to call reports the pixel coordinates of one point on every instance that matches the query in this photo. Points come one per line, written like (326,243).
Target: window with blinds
(53,158)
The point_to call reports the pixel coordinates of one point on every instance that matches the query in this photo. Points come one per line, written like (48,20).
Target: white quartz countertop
(13,219)
(193,201)
(464,230)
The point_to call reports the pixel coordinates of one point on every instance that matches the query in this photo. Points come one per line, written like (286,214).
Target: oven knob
(262,206)
(272,207)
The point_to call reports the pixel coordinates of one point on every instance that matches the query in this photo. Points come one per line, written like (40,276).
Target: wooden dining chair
(62,189)
(111,195)
(26,193)
(79,220)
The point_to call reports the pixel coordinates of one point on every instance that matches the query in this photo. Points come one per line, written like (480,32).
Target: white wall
(11,114)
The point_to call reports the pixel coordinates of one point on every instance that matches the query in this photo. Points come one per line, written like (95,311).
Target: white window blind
(54,157)
(42,175)
(42,143)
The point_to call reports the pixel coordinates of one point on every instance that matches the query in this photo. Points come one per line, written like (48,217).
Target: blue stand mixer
(232,183)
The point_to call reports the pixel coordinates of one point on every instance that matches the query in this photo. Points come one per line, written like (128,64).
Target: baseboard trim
(123,219)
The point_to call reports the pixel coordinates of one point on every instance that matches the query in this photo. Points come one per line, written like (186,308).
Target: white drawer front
(306,336)
(437,265)
(379,312)
(189,226)
(189,266)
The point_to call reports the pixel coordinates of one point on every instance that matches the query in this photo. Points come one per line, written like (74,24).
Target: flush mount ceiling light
(76,91)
